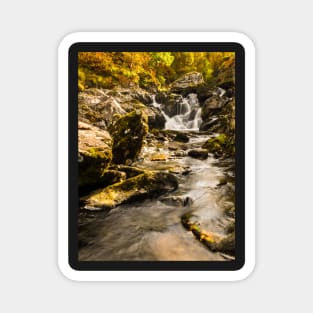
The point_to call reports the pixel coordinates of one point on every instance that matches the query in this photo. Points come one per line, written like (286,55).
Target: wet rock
(180,153)
(222,145)
(214,102)
(198,153)
(158,157)
(212,123)
(213,241)
(227,244)
(172,104)
(230,228)
(155,118)
(219,120)
(177,200)
(230,211)
(97,107)
(204,92)
(94,154)
(131,171)
(188,83)
(128,133)
(129,95)
(161,97)
(222,182)
(181,137)
(172,147)
(143,186)
(180,170)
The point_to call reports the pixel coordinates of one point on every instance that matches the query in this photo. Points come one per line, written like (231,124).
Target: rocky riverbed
(156,172)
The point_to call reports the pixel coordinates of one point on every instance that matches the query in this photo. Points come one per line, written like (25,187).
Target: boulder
(94,154)
(221,119)
(146,185)
(214,102)
(177,200)
(155,118)
(188,83)
(212,106)
(204,92)
(181,137)
(222,145)
(134,93)
(198,153)
(214,241)
(172,104)
(128,134)
(100,106)
(212,123)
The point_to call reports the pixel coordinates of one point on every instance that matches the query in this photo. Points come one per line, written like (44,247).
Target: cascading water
(152,230)
(188,115)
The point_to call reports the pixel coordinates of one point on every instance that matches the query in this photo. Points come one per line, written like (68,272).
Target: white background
(30,32)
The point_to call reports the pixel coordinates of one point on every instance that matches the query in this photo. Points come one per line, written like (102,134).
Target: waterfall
(188,115)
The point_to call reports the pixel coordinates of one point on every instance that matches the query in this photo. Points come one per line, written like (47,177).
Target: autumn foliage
(150,70)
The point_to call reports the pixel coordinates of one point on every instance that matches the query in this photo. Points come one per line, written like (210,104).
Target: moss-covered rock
(128,133)
(214,241)
(222,145)
(91,166)
(94,155)
(146,185)
(155,118)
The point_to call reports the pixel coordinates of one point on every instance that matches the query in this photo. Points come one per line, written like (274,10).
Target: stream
(152,229)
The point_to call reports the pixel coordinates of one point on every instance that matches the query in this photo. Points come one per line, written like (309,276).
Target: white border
(70,39)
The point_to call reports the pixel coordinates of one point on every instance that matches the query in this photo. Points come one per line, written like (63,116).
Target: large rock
(155,118)
(94,154)
(100,106)
(198,153)
(181,137)
(128,133)
(219,116)
(212,105)
(146,185)
(214,102)
(188,83)
(171,103)
(134,93)
(222,145)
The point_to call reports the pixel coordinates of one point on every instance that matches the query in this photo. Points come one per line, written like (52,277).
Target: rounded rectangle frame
(191,273)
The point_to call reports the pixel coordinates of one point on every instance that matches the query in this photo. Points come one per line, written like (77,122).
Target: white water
(188,115)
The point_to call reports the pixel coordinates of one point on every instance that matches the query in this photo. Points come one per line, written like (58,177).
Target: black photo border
(73,200)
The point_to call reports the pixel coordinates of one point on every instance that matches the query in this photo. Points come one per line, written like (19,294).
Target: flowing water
(188,115)
(152,230)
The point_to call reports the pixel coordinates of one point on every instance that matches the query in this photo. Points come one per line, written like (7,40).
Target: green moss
(128,133)
(92,164)
(221,145)
(145,185)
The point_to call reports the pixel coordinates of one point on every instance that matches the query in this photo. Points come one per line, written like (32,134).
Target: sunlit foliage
(150,70)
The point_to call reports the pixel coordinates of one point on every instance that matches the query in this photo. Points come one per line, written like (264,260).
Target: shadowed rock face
(170,102)
(188,83)
(128,133)
(198,153)
(100,107)
(155,118)
(94,154)
(146,185)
